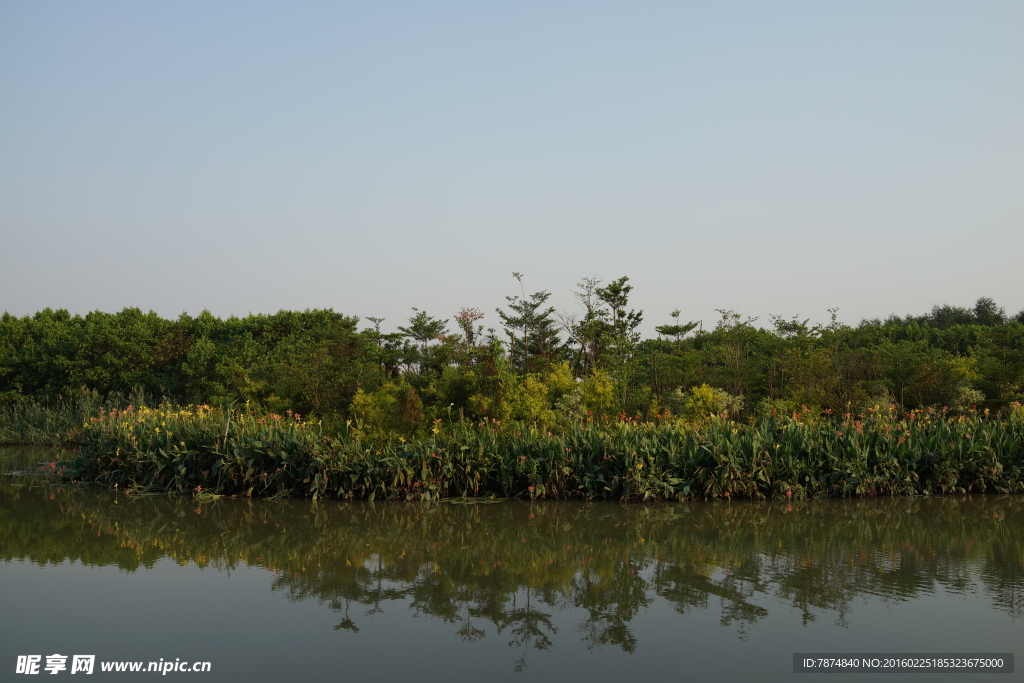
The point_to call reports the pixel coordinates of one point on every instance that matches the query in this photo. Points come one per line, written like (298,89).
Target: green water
(294,590)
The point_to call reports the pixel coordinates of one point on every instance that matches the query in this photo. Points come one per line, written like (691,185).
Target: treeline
(540,367)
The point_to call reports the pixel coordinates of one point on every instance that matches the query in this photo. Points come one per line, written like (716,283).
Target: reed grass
(50,423)
(58,421)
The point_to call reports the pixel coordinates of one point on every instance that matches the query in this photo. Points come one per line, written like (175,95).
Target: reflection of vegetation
(509,567)
(529,627)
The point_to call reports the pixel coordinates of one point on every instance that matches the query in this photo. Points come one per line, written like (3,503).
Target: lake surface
(512,591)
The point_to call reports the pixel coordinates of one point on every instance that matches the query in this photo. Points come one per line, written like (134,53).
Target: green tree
(532,332)
(422,329)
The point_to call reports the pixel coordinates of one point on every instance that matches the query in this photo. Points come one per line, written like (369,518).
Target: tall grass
(232,452)
(54,422)
(58,421)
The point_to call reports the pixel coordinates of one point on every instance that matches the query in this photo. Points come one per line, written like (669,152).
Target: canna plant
(243,452)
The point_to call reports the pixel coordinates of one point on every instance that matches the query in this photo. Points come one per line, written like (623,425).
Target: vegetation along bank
(318,403)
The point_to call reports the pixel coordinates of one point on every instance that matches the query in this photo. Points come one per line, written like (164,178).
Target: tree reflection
(529,628)
(510,568)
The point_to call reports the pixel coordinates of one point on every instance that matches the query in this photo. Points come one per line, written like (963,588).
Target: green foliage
(526,400)
(395,408)
(965,399)
(676,330)
(598,395)
(531,330)
(703,402)
(775,408)
(318,362)
(803,455)
(309,361)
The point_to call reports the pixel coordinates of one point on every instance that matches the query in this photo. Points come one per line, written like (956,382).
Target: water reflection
(504,570)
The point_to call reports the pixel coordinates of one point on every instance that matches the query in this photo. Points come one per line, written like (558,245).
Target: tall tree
(422,329)
(531,329)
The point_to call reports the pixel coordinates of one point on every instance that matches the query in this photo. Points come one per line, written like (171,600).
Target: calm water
(291,590)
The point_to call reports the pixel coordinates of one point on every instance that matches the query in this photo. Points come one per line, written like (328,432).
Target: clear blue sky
(766,157)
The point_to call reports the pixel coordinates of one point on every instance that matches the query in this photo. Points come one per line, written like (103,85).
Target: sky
(761,157)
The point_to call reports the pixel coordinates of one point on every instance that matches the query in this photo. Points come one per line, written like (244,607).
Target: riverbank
(231,452)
